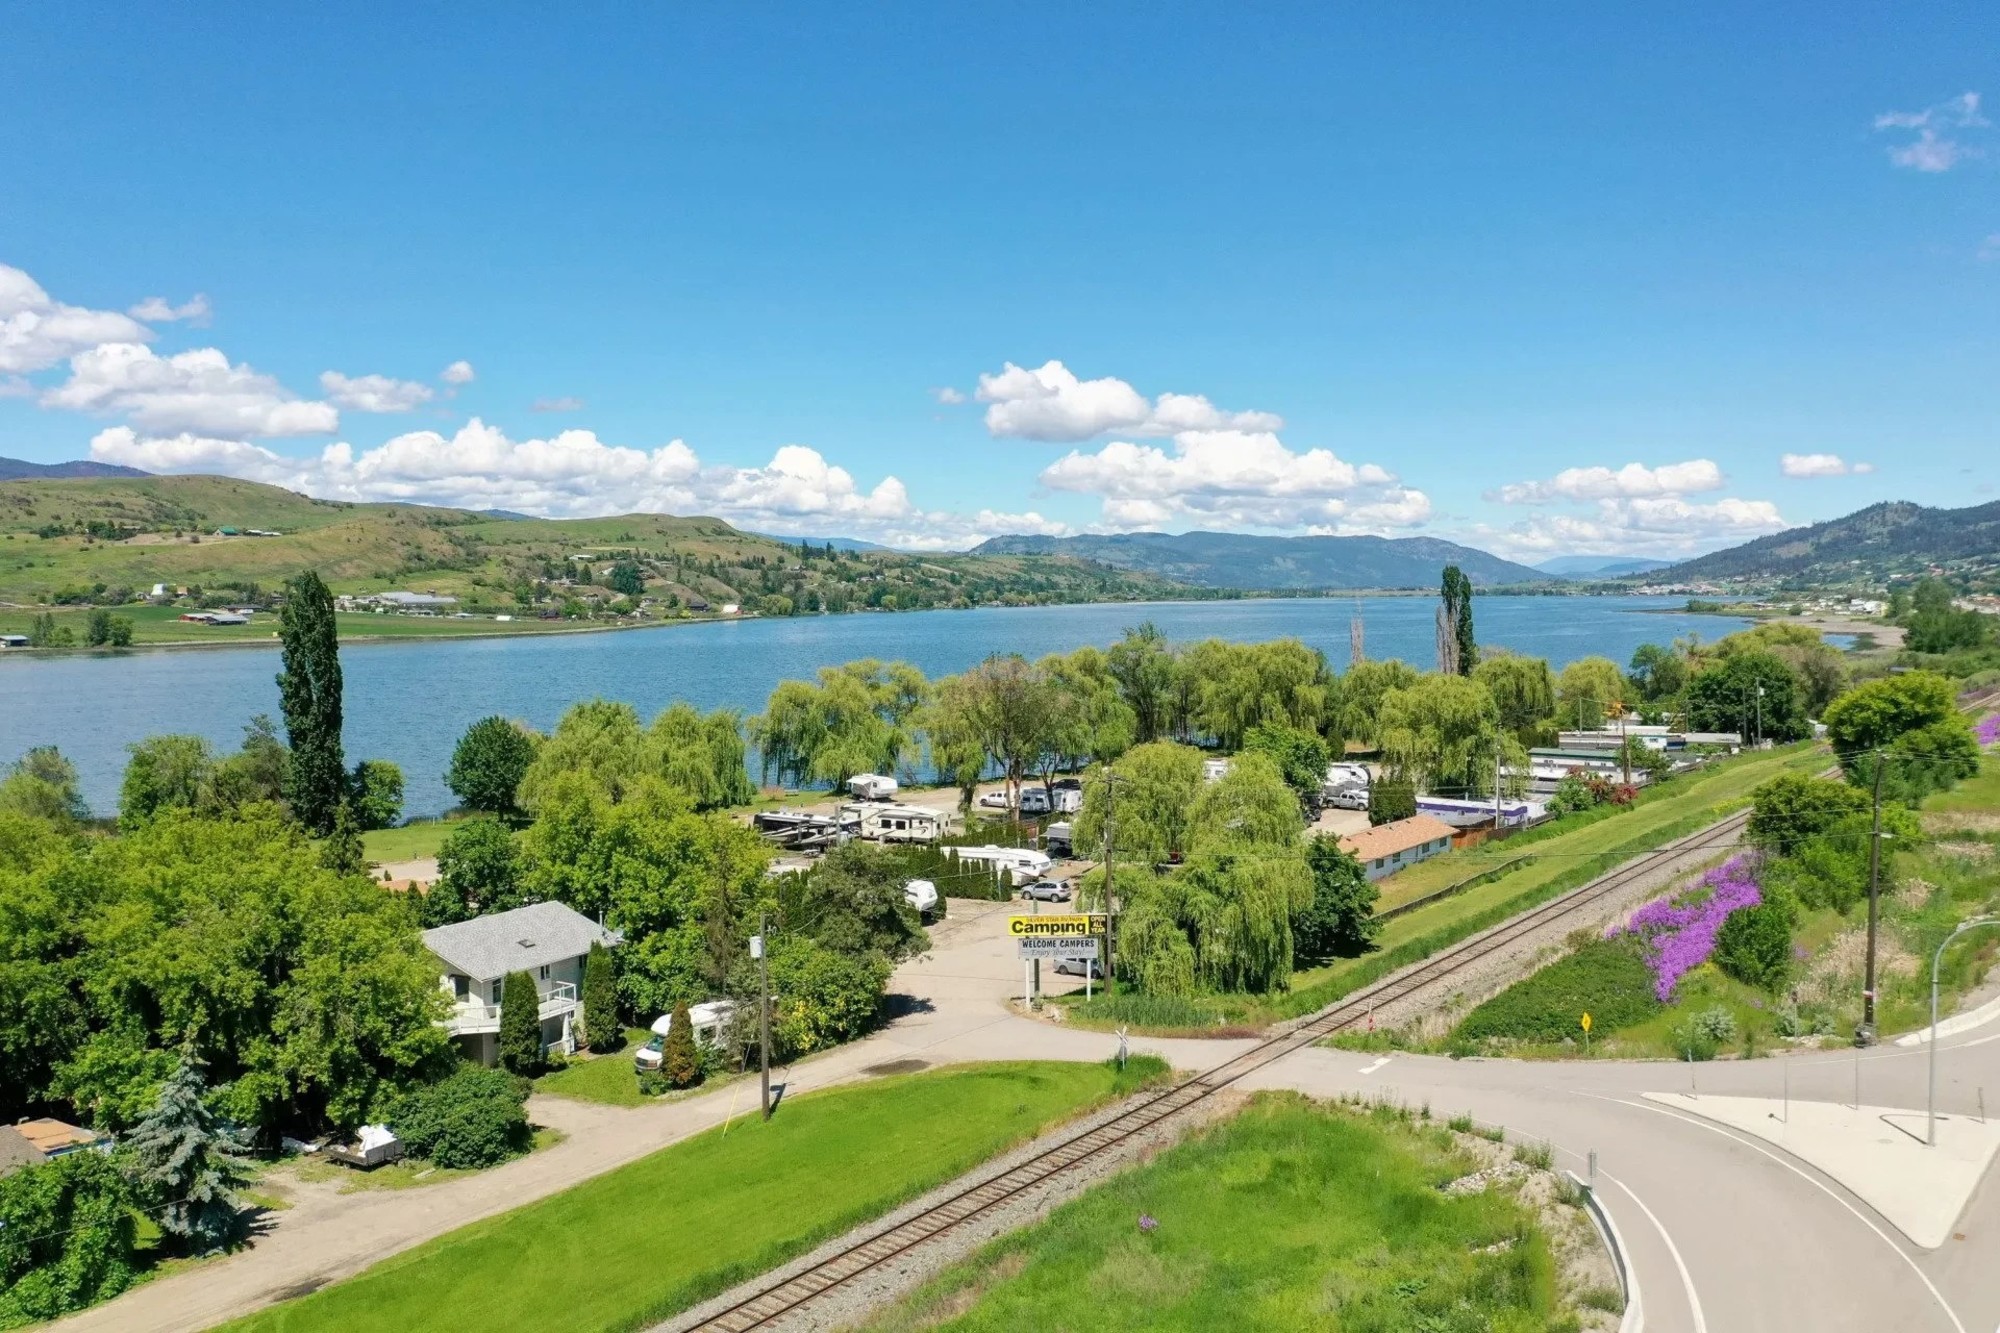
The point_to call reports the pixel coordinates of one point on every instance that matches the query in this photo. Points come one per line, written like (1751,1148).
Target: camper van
(1023,861)
(710,1021)
(872,787)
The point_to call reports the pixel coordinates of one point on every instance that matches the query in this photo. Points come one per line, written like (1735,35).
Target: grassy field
(610,1078)
(1559,860)
(1980,794)
(635,1245)
(410,842)
(162,627)
(1292,1215)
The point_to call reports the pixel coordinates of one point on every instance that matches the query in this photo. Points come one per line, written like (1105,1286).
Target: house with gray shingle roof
(548,941)
(16,1152)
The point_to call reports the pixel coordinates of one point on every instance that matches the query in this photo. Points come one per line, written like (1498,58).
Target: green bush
(821,998)
(476,1117)
(1755,945)
(66,1237)
(521,1025)
(1608,979)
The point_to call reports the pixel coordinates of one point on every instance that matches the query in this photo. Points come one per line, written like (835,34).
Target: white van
(710,1020)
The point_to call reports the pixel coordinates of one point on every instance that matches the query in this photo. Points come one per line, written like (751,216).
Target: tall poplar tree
(309,692)
(1456,590)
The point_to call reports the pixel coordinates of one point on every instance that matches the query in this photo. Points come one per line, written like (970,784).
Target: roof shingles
(1400,835)
(491,946)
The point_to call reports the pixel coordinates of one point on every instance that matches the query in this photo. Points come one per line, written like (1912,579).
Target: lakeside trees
(488,764)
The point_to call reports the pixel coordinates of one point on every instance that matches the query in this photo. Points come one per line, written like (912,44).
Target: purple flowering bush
(1988,730)
(1677,934)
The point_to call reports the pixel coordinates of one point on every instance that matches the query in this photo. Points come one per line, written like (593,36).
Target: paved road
(1726,1233)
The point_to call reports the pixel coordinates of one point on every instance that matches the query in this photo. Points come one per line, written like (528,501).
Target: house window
(460,987)
(1378,863)
(545,972)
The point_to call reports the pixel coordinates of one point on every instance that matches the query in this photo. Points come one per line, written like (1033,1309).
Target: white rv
(900,823)
(1023,861)
(872,787)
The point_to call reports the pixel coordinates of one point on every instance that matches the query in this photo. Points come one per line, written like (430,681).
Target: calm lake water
(409,702)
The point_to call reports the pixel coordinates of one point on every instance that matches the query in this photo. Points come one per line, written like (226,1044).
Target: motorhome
(710,1021)
(1023,861)
(1059,839)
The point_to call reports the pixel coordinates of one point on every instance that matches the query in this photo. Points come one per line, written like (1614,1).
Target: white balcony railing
(474,1015)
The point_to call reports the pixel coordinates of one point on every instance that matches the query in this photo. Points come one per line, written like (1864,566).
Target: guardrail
(1634,1319)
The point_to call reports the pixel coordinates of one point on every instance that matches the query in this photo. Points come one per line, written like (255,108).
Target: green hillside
(1252,562)
(1865,549)
(108,540)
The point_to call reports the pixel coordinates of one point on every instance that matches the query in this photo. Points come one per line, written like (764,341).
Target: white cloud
(1934,149)
(948,396)
(37,332)
(1820,465)
(373,393)
(573,473)
(1240,478)
(1662,526)
(197,391)
(1051,403)
(566,403)
(457,373)
(1633,481)
(160,310)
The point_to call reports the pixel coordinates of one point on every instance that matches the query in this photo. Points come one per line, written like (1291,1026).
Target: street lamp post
(1930,1137)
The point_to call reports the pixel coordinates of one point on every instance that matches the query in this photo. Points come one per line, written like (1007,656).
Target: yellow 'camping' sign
(1054,926)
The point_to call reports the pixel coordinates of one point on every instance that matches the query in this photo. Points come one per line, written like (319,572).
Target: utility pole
(1866,1037)
(1110,878)
(1760,715)
(763,1017)
(1496,782)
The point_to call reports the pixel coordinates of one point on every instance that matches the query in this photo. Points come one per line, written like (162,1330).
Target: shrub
(1341,921)
(652,1083)
(1608,979)
(680,1062)
(1755,945)
(600,1002)
(821,998)
(476,1117)
(66,1237)
(521,1025)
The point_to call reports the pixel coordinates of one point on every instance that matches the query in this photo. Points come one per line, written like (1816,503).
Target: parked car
(922,895)
(995,800)
(1047,891)
(1348,798)
(1076,967)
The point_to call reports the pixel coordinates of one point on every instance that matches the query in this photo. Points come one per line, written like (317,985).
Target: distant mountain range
(1239,560)
(19,469)
(1869,545)
(1599,566)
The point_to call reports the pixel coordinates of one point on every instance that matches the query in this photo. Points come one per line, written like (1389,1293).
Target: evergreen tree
(600,1002)
(341,852)
(679,1060)
(189,1163)
(521,1025)
(309,693)
(1456,590)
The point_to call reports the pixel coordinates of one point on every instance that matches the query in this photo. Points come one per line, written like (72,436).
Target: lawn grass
(610,1078)
(1560,861)
(637,1244)
(410,842)
(161,626)
(1292,1215)
(1979,794)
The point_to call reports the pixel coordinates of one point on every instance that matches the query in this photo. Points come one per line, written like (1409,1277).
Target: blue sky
(1569,281)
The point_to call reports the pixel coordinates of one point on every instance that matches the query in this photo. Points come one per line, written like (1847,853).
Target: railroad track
(793,1294)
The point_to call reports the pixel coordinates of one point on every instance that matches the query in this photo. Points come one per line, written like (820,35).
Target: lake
(409,702)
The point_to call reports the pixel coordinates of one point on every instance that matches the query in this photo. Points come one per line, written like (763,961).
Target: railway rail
(795,1293)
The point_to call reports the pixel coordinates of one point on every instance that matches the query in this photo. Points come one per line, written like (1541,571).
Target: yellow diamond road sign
(1586,1022)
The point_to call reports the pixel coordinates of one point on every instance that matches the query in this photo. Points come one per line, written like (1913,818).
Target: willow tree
(1148,804)
(1363,688)
(1523,690)
(1589,690)
(1088,720)
(1144,666)
(1239,685)
(1444,732)
(1222,922)
(309,688)
(859,717)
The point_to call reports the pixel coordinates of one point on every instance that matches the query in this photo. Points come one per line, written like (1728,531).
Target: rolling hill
(1866,547)
(14,469)
(1599,566)
(1241,561)
(104,538)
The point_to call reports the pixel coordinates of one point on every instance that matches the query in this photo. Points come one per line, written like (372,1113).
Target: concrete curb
(1634,1320)
(1957,1023)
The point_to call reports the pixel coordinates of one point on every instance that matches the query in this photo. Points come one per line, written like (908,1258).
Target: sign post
(1065,937)
(1586,1034)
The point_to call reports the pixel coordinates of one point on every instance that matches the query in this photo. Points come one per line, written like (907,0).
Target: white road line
(1820,1185)
(1687,1279)
(1369,1069)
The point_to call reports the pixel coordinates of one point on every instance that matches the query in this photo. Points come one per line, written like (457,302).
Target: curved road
(1726,1233)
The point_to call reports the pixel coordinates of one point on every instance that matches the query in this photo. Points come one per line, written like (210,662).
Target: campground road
(1726,1233)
